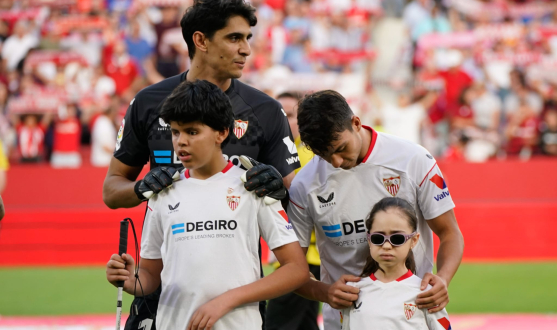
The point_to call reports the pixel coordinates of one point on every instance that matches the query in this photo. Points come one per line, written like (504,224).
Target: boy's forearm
(149,283)
(282,281)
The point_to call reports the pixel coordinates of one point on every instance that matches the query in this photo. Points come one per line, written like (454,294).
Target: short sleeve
(434,197)
(153,236)
(437,321)
(298,215)
(132,148)
(274,225)
(279,149)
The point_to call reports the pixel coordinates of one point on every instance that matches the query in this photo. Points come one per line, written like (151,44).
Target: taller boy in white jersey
(201,236)
(334,192)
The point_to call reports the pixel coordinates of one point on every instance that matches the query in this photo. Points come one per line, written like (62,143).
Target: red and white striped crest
(240,128)
(392,185)
(233,202)
(409,310)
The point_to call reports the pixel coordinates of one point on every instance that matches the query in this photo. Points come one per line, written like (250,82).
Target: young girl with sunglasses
(388,288)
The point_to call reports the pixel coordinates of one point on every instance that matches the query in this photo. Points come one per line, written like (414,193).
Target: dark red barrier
(506,211)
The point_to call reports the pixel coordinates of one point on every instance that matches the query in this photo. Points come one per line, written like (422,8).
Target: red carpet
(506,211)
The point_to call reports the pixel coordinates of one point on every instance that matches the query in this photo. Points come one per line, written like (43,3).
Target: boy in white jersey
(205,230)
(388,289)
(334,192)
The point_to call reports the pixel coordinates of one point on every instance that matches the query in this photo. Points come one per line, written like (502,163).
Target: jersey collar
(403,277)
(372,143)
(228,166)
(227,92)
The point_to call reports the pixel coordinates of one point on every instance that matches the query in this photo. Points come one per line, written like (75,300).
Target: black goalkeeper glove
(263,179)
(155,181)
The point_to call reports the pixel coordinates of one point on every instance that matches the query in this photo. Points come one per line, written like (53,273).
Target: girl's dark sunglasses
(394,239)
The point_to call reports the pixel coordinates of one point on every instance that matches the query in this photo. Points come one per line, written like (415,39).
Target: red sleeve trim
(427,174)
(445,323)
(228,166)
(372,143)
(291,201)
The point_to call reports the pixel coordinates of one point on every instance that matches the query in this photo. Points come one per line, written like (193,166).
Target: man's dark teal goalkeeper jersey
(261,129)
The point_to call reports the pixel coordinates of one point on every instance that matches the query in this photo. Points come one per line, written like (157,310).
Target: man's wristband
(137,192)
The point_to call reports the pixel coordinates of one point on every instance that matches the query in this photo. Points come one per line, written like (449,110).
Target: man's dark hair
(199,101)
(322,117)
(209,16)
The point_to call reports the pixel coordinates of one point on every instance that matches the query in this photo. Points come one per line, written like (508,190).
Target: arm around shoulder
(451,245)
(118,186)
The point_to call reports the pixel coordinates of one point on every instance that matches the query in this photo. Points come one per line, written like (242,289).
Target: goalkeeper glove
(263,179)
(155,181)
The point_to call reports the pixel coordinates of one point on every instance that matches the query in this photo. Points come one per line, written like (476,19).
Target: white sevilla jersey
(207,234)
(336,203)
(391,306)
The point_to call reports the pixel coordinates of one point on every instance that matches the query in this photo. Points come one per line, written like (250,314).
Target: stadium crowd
(468,79)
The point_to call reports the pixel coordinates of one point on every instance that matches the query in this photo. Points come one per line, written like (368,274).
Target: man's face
(289,106)
(345,150)
(195,143)
(229,48)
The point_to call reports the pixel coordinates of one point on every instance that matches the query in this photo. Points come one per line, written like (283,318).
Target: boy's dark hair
(404,208)
(199,101)
(209,16)
(322,117)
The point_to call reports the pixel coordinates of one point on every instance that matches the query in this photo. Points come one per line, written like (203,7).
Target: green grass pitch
(477,288)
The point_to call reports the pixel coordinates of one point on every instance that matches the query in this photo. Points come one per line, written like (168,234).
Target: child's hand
(341,295)
(119,268)
(208,314)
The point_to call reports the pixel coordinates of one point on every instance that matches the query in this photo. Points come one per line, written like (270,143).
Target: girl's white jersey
(207,233)
(336,203)
(391,306)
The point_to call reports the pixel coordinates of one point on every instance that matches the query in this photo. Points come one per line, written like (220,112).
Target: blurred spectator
(296,53)
(31,138)
(548,133)
(486,109)
(416,12)
(87,44)
(520,93)
(103,136)
(67,136)
(166,59)
(462,116)
(521,131)
(436,22)
(16,47)
(406,117)
(456,80)
(138,48)
(121,67)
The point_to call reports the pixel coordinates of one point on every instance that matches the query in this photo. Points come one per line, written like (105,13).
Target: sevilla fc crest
(409,310)
(240,128)
(392,185)
(233,202)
